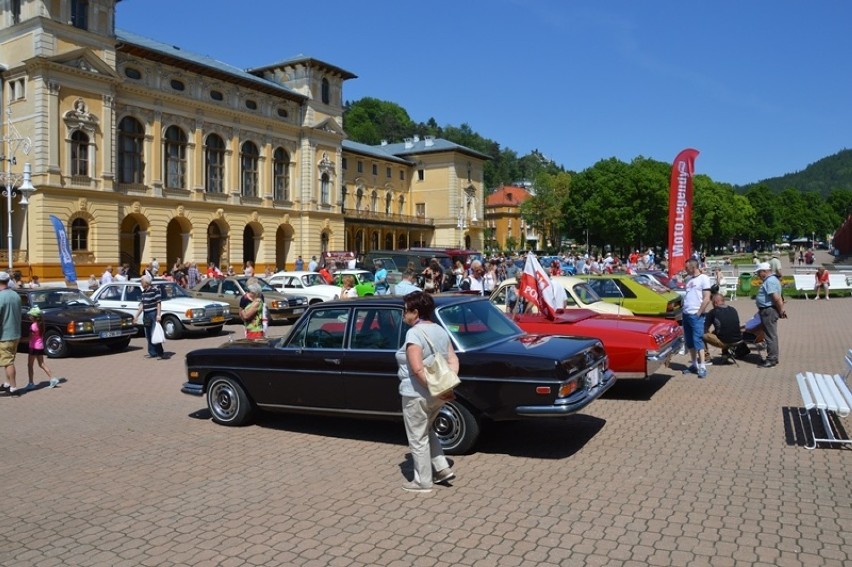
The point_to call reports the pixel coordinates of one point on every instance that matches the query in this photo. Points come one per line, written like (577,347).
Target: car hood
(67,314)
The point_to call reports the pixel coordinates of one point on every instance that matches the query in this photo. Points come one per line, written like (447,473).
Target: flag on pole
(65,257)
(680,210)
(537,288)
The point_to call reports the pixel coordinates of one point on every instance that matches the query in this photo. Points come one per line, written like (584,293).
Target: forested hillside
(832,172)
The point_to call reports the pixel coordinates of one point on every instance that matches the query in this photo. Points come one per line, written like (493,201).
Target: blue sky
(760,88)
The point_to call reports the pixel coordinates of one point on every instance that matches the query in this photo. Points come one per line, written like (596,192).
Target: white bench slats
(825,393)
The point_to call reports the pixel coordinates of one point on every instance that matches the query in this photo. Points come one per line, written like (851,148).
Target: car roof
(441,300)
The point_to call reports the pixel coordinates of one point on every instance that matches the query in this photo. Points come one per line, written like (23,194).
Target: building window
(388,172)
(217,95)
(374,201)
(80,14)
(421,175)
(132,73)
(402,175)
(282,113)
(359,198)
(79,235)
(388,199)
(79,154)
(343,163)
(375,169)
(131,138)
(326,91)
(16,11)
(249,157)
(360,166)
(325,197)
(174,155)
(251,105)
(420,209)
(214,164)
(17,90)
(177,85)
(281,175)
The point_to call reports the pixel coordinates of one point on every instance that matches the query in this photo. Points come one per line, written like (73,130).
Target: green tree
(766,229)
(543,211)
(370,120)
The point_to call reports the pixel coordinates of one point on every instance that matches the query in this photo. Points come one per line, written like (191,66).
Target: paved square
(117,467)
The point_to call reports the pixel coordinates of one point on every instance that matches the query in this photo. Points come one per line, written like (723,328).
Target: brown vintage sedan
(281,308)
(339,359)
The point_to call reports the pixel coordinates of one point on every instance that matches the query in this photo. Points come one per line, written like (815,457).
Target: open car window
(377,329)
(210,286)
(325,328)
(586,294)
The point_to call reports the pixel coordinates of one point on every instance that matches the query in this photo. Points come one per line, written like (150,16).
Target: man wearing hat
(10,332)
(770,308)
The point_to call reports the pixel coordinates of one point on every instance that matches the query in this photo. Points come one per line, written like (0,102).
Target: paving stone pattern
(116,467)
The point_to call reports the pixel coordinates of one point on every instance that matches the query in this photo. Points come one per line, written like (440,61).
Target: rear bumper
(656,360)
(571,404)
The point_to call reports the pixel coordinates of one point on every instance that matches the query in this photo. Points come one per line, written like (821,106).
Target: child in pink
(36,348)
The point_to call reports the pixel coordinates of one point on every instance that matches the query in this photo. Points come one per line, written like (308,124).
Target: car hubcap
(448,425)
(224,401)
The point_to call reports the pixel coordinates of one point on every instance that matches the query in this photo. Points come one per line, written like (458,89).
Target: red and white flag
(680,210)
(537,288)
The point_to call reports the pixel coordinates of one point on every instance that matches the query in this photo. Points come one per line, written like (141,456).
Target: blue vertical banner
(65,257)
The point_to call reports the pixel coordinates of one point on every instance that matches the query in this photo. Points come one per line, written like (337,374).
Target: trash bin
(745,283)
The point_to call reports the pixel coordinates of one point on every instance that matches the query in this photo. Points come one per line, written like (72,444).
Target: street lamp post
(14,183)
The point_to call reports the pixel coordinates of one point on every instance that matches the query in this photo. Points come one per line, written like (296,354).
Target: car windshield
(650,284)
(364,277)
(171,291)
(264,285)
(60,298)
(586,294)
(310,280)
(476,323)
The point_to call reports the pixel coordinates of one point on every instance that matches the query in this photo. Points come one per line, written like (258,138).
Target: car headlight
(226,312)
(195,313)
(273,305)
(128,322)
(79,327)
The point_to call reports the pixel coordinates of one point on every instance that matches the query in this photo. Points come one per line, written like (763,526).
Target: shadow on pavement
(544,439)
(798,432)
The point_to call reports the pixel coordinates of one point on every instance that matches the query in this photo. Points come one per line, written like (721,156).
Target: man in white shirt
(696,303)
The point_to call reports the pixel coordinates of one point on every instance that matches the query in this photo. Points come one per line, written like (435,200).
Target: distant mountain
(832,172)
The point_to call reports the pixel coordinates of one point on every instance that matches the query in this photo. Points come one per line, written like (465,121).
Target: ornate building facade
(145,150)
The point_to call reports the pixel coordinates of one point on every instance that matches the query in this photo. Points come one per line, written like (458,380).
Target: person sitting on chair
(726,327)
(821,279)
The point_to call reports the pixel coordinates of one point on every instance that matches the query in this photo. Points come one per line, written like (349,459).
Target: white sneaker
(53,382)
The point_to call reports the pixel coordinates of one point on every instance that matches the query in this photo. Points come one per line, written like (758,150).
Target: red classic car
(637,346)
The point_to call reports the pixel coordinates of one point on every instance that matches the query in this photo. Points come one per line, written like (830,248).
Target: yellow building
(145,150)
(504,224)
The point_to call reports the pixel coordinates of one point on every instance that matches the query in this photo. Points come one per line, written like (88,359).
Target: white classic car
(179,312)
(310,284)
(580,296)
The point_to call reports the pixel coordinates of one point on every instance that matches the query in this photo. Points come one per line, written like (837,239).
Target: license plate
(593,378)
(217,318)
(297,311)
(108,334)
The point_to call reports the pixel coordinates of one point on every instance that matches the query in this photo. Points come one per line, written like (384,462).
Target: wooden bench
(824,394)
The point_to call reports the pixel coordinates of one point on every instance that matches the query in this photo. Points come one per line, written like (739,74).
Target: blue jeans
(693,331)
(148,322)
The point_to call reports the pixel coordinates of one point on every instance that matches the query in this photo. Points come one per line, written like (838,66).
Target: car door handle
(335,361)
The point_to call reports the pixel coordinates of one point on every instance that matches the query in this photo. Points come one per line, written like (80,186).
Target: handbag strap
(429,342)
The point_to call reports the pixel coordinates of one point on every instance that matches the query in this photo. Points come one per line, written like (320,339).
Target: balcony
(374,217)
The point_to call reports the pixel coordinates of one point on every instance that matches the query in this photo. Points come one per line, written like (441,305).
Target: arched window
(343,199)
(131,139)
(174,157)
(359,197)
(325,187)
(79,235)
(374,201)
(249,156)
(79,154)
(214,164)
(388,199)
(326,91)
(401,204)
(281,175)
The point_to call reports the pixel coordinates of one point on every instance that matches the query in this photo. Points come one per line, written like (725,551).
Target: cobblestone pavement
(117,467)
